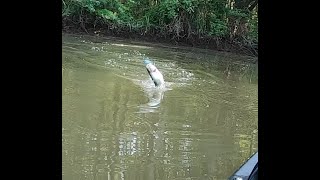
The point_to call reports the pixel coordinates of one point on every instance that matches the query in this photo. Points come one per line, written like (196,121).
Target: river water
(117,126)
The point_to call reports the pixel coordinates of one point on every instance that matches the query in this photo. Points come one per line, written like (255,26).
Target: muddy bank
(210,43)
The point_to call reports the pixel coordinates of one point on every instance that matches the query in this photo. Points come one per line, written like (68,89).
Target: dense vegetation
(218,24)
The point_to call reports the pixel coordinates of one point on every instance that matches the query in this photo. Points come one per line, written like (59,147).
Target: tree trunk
(239,26)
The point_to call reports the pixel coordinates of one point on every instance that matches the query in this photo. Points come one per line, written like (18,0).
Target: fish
(154,73)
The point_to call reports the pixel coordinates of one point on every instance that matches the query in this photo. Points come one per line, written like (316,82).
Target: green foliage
(218,28)
(213,18)
(253,28)
(238,13)
(91,5)
(106,14)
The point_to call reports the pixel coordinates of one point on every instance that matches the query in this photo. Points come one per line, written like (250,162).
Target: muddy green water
(118,126)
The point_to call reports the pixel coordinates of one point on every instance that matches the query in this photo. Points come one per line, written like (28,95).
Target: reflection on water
(155,95)
(117,125)
(155,98)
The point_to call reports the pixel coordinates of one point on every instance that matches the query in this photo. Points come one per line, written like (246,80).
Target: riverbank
(222,45)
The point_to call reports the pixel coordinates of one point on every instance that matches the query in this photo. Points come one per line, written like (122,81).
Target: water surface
(117,125)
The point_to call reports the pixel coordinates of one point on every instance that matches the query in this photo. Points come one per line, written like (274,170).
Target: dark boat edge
(248,170)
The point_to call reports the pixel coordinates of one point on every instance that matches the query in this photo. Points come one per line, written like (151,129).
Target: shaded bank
(199,43)
(225,25)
